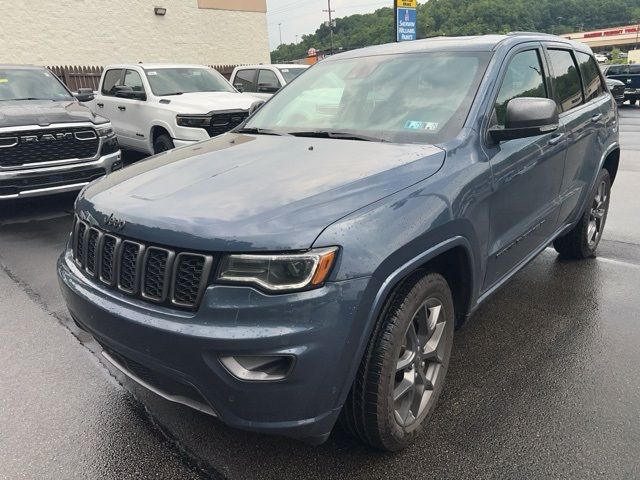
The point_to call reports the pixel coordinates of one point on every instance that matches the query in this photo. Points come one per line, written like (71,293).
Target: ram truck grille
(150,272)
(30,148)
(224,121)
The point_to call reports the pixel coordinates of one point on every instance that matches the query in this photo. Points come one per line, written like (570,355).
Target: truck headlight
(105,131)
(281,272)
(194,121)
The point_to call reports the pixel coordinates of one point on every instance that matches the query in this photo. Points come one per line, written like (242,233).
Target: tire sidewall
(163,141)
(432,286)
(588,250)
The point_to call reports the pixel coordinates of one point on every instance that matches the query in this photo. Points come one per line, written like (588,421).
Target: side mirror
(255,106)
(84,95)
(267,88)
(527,117)
(239,87)
(124,91)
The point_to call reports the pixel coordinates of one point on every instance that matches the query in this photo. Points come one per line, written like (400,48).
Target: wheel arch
(612,162)
(158,128)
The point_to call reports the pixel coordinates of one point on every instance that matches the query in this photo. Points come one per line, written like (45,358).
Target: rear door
(580,96)
(527,172)
(106,101)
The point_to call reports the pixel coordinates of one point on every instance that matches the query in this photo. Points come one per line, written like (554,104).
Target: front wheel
(403,370)
(583,240)
(162,144)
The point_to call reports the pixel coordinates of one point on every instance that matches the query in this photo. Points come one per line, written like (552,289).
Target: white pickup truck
(154,108)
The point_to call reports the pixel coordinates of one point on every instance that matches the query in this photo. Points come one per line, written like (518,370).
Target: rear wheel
(163,143)
(402,373)
(583,240)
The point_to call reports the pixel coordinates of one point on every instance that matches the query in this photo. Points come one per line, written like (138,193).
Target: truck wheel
(583,240)
(402,373)
(163,143)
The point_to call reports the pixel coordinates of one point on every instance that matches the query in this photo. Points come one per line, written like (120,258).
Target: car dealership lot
(543,383)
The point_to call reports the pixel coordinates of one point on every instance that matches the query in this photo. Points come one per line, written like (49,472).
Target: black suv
(312,264)
(49,142)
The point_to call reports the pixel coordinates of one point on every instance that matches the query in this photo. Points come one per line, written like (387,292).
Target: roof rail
(515,34)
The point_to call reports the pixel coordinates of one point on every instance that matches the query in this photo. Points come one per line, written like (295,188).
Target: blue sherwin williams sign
(407,24)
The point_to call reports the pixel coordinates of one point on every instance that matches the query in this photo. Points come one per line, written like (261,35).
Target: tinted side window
(246,79)
(566,80)
(132,79)
(613,70)
(593,87)
(634,69)
(112,79)
(266,78)
(524,78)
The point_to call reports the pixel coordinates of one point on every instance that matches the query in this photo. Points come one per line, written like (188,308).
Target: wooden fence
(75,77)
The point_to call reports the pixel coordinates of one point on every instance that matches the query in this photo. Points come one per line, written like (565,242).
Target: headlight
(105,131)
(279,273)
(194,121)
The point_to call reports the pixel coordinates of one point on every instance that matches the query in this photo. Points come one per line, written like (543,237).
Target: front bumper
(322,329)
(36,182)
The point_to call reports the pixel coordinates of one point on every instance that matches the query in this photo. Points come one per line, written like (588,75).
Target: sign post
(406,20)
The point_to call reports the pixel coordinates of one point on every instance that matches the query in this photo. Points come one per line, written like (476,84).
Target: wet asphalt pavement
(544,381)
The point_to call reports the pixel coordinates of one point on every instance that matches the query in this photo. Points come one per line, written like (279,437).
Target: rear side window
(524,78)
(112,79)
(566,80)
(614,70)
(246,80)
(634,69)
(593,87)
(268,79)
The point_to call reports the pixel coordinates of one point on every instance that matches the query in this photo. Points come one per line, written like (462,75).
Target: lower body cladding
(278,364)
(34,182)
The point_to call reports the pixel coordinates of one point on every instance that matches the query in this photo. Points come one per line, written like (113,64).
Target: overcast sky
(301,17)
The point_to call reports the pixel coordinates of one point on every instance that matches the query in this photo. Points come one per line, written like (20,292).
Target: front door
(527,173)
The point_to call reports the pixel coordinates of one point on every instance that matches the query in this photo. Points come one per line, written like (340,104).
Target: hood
(613,82)
(205,102)
(244,192)
(44,113)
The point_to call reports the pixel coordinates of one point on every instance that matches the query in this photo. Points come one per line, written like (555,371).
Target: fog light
(263,368)
(116,166)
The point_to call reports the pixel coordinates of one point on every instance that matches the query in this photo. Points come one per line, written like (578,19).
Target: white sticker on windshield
(285,70)
(417,125)
(151,74)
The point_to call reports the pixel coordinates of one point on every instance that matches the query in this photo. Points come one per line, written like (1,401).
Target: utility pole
(330,23)
(280,28)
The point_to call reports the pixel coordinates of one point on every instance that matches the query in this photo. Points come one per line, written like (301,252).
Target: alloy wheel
(420,362)
(597,215)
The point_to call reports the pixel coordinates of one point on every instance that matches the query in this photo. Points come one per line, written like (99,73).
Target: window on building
(566,80)
(524,78)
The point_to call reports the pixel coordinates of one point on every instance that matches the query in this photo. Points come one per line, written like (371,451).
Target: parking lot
(544,381)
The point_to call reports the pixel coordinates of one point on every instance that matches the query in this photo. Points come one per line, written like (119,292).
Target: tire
(163,143)
(583,240)
(633,101)
(375,410)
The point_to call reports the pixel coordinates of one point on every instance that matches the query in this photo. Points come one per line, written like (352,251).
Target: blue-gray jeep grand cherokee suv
(313,264)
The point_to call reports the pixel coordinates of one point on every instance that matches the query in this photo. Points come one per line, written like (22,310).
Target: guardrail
(75,77)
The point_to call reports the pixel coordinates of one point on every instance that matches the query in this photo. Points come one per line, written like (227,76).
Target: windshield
(31,84)
(409,98)
(290,73)
(176,81)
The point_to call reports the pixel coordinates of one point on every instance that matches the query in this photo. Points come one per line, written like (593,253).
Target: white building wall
(100,32)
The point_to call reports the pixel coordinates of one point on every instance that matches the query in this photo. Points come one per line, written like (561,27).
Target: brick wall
(102,32)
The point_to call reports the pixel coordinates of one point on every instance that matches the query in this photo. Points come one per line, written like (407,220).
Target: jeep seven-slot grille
(24,148)
(150,272)
(225,121)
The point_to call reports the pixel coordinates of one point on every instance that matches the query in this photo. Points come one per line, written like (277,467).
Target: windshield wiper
(261,131)
(169,94)
(338,135)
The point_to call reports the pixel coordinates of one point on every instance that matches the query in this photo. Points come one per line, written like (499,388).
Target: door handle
(121,108)
(596,118)
(556,139)
(101,105)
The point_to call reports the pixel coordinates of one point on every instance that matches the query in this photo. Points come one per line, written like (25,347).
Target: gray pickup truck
(49,142)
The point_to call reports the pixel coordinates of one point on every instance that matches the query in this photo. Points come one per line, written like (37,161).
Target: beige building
(100,32)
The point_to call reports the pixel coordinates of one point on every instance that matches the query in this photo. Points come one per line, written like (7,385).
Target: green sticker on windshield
(417,125)
(4,80)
